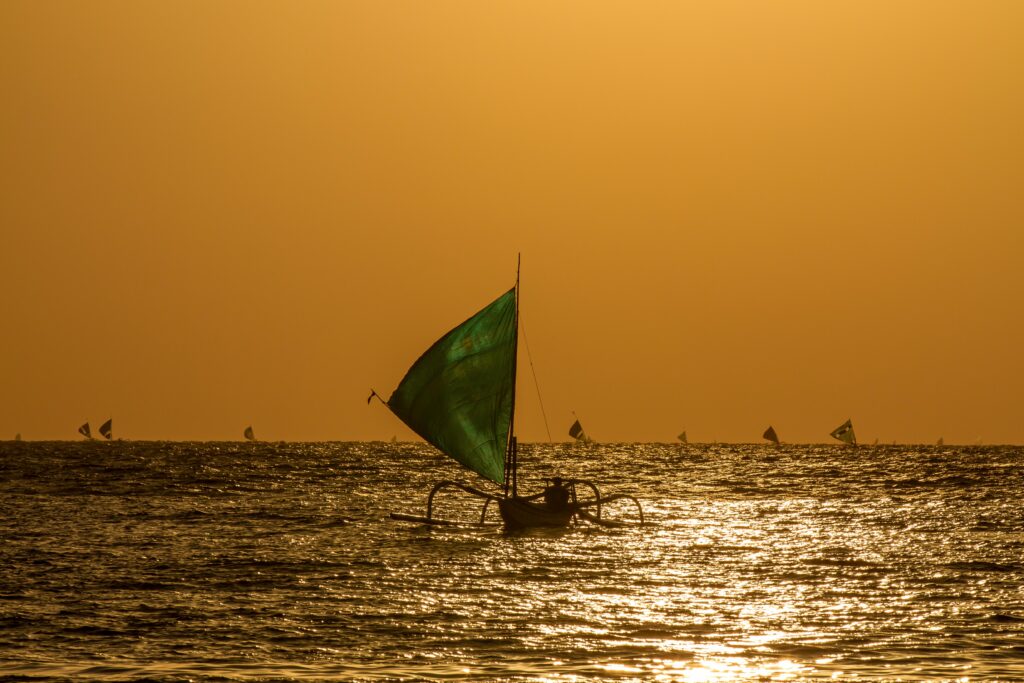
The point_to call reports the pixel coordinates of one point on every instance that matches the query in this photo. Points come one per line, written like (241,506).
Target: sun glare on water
(709,670)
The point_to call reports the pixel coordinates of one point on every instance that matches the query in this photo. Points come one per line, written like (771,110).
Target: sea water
(176,561)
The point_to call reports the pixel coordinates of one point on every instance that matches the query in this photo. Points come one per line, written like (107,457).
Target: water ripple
(176,561)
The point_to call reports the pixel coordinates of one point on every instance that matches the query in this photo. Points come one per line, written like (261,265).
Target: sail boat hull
(520,514)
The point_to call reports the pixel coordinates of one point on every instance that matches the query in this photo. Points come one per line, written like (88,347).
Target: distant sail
(85,431)
(771,435)
(940,442)
(249,436)
(576,432)
(17,437)
(106,429)
(394,439)
(682,437)
(844,433)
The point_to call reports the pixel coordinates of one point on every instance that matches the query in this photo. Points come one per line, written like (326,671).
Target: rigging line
(536,384)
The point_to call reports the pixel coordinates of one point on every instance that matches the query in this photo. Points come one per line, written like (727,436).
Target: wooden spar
(607,522)
(434,522)
(512,447)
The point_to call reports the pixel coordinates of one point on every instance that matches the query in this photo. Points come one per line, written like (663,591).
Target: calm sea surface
(182,561)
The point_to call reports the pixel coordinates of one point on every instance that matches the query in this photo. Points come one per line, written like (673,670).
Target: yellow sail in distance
(844,433)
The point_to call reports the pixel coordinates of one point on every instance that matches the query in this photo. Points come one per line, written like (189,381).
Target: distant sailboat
(106,429)
(576,432)
(940,442)
(771,435)
(17,437)
(394,439)
(844,433)
(682,437)
(248,433)
(85,431)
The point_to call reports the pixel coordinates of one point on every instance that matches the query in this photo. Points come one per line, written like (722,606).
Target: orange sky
(730,213)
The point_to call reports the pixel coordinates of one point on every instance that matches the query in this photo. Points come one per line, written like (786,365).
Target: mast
(512,450)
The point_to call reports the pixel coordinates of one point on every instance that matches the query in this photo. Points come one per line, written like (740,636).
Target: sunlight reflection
(712,670)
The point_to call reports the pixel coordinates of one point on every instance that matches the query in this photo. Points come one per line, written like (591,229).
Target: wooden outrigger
(522,513)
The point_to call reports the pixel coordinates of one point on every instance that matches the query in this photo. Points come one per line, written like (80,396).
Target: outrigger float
(460,397)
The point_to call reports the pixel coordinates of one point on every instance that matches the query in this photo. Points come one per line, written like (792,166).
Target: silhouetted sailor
(556,496)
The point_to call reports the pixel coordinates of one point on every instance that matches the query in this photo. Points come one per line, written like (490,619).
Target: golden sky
(730,214)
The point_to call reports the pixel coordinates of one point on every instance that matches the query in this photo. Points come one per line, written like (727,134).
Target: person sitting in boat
(556,496)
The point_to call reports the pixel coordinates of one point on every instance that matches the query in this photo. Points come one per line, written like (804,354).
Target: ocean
(230,561)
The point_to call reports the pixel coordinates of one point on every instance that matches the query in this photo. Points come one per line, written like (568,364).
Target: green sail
(459,394)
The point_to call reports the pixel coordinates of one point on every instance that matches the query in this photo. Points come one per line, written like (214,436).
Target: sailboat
(460,397)
(17,437)
(249,434)
(85,431)
(844,433)
(682,437)
(940,442)
(576,432)
(106,429)
(771,435)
